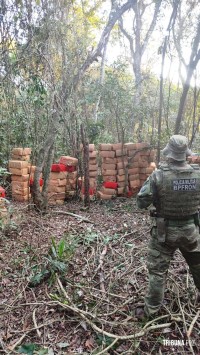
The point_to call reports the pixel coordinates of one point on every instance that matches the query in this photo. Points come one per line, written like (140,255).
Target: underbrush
(76,290)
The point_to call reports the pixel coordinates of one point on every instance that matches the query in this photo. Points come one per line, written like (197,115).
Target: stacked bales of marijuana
(121,163)
(71,165)
(4,212)
(93,167)
(22,154)
(57,184)
(109,172)
(3,208)
(2,192)
(31,171)
(194,159)
(143,161)
(93,173)
(146,164)
(19,168)
(140,164)
(133,166)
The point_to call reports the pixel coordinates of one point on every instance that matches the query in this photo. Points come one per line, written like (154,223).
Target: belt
(179,222)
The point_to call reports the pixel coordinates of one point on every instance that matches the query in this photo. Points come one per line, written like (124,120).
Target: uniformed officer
(174,190)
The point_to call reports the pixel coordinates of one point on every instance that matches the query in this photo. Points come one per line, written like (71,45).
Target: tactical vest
(179,193)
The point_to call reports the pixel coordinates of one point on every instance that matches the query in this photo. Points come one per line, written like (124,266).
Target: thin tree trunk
(194,59)
(115,14)
(85,167)
(43,164)
(170,24)
(195,124)
(101,80)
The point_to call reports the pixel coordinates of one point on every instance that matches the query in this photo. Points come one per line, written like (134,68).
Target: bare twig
(108,347)
(192,324)
(83,219)
(35,324)
(102,331)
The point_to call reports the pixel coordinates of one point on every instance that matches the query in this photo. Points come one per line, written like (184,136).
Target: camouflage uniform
(181,228)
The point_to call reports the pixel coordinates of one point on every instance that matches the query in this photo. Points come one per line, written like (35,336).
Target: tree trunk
(101,80)
(115,14)
(85,167)
(194,59)
(43,165)
(170,24)
(137,49)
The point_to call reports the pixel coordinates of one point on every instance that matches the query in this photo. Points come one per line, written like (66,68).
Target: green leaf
(61,248)
(27,349)
(53,248)
(38,278)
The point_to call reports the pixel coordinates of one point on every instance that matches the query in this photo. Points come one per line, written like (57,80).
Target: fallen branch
(192,324)
(108,347)
(18,342)
(35,324)
(183,315)
(83,219)
(100,267)
(99,330)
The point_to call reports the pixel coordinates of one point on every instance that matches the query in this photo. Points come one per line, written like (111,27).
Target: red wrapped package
(110,184)
(41,182)
(91,191)
(2,192)
(58,168)
(70,168)
(129,193)
(31,182)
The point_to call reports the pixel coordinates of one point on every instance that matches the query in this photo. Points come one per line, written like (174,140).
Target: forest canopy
(124,69)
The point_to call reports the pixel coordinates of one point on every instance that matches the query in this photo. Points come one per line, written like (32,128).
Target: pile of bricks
(19,168)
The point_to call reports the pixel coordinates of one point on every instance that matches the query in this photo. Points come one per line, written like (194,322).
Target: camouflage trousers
(186,238)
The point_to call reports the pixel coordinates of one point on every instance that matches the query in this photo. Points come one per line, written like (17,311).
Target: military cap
(177,148)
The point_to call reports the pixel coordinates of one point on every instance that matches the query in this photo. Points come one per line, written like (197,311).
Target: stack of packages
(19,168)
(109,172)
(57,184)
(70,164)
(193,159)
(122,162)
(93,173)
(140,164)
(31,171)
(4,213)
(146,164)
(2,192)
(133,166)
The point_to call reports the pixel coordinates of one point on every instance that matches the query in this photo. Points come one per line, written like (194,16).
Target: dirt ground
(70,284)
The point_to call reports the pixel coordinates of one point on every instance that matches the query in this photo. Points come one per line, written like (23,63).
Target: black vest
(179,191)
